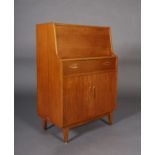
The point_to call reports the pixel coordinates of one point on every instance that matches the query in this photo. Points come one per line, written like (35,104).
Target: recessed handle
(73,66)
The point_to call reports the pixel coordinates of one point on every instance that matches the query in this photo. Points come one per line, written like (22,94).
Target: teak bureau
(76,74)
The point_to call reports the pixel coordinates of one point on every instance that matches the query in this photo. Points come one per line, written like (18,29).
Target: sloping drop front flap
(76,41)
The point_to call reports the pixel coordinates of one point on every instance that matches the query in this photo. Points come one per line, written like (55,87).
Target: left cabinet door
(78,103)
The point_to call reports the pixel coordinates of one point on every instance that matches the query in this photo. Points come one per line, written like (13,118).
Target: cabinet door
(78,102)
(104,92)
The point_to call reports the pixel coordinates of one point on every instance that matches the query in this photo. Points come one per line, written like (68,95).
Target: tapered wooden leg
(65,130)
(110,118)
(44,124)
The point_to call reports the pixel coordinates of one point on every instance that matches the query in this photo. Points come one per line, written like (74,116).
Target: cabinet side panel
(55,80)
(42,70)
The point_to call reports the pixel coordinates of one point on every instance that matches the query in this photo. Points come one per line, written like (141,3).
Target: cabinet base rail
(66,129)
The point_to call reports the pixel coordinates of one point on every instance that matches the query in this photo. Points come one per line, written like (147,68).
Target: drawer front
(86,66)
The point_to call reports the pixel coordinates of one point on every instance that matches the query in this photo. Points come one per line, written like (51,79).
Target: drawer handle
(73,66)
(107,63)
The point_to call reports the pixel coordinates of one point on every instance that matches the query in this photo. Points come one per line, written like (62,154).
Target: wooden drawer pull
(107,63)
(73,66)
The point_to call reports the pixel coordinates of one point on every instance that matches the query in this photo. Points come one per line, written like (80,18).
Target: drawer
(88,65)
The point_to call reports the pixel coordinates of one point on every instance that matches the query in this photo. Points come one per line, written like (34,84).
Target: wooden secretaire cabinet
(76,74)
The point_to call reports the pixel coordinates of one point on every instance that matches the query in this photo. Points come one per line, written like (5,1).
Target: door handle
(74,66)
(90,92)
(94,91)
(107,63)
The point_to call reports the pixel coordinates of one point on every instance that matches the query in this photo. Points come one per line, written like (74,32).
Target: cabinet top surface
(77,25)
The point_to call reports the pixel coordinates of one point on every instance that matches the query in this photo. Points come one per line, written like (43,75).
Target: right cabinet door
(104,92)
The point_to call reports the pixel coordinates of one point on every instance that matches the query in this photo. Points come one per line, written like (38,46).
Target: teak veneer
(76,74)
